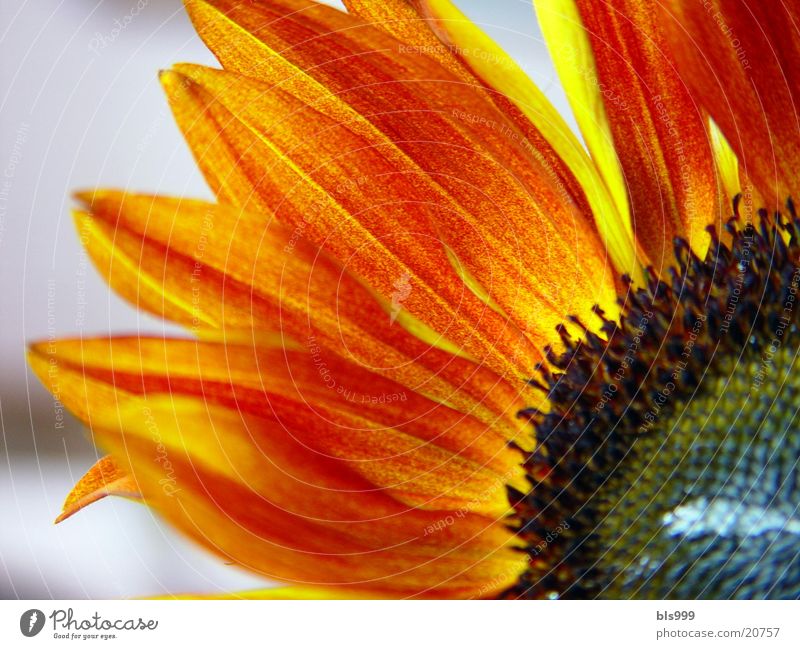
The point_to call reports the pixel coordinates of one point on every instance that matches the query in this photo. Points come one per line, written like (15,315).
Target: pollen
(667,463)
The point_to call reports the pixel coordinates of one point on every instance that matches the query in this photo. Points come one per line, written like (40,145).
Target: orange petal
(285,593)
(388,224)
(741,59)
(105,478)
(400,19)
(243,486)
(294,593)
(135,268)
(263,178)
(207,265)
(520,99)
(658,130)
(470,181)
(421,452)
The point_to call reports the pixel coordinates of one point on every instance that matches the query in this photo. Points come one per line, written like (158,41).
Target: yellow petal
(619,71)
(727,164)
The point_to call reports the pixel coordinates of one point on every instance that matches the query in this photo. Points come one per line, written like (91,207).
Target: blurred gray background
(81,107)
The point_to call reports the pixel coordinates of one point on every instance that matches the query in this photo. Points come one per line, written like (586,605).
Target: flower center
(667,464)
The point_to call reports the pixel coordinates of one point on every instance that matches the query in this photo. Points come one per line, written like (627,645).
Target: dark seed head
(667,464)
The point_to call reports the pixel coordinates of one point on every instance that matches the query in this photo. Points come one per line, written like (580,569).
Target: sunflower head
(438,346)
(667,464)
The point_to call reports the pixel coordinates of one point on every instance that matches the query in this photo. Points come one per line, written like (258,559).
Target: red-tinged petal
(657,128)
(399,244)
(461,151)
(105,478)
(423,453)
(300,46)
(462,41)
(402,21)
(388,224)
(199,263)
(240,485)
(135,268)
(323,56)
(741,60)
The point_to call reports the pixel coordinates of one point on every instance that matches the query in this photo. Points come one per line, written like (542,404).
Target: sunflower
(439,347)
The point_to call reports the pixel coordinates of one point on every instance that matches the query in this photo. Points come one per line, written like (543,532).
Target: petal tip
(105,478)
(170,78)
(86,197)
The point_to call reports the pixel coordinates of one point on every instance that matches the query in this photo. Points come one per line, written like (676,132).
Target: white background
(416,624)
